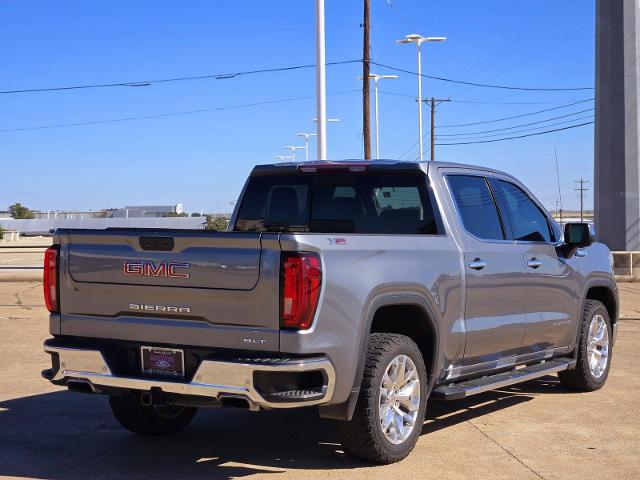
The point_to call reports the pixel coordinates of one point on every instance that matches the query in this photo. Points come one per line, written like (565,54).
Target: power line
(573,120)
(460,141)
(170,114)
(483,102)
(225,76)
(145,83)
(517,116)
(463,134)
(485,85)
(519,136)
(488,102)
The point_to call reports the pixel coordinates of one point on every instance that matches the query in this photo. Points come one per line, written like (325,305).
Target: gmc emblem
(147,268)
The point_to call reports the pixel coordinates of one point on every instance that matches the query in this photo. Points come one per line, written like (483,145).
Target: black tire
(581,378)
(149,420)
(363,436)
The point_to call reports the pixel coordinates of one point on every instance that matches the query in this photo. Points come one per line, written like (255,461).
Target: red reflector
(300,291)
(50,279)
(352,167)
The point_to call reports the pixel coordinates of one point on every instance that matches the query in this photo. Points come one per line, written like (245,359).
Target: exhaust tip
(81,387)
(233,401)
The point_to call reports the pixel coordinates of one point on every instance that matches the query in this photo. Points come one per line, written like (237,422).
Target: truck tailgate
(213,289)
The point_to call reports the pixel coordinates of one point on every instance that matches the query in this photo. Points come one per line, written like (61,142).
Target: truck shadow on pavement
(71,436)
(447,414)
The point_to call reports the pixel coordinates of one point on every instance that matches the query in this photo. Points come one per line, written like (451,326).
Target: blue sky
(202,159)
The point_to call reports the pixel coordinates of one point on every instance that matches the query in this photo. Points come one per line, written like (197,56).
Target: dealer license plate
(162,361)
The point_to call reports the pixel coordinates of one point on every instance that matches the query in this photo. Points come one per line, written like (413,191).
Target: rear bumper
(214,379)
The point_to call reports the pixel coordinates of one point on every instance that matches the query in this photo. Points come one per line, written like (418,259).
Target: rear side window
(371,203)
(476,206)
(525,218)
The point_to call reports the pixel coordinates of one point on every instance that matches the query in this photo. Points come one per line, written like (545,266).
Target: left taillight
(50,279)
(300,289)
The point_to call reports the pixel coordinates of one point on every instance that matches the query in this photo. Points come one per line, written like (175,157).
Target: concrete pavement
(530,431)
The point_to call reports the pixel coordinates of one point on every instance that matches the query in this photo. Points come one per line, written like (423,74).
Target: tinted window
(526,220)
(476,206)
(339,204)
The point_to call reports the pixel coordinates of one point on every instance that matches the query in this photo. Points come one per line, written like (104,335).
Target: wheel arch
(608,298)
(378,318)
(605,291)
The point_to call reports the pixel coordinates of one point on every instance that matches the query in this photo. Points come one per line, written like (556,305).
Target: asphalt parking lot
(531,431)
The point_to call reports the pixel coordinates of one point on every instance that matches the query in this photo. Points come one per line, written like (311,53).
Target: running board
(457,391)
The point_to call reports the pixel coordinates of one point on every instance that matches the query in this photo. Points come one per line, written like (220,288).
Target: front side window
(527,221)
(476,206)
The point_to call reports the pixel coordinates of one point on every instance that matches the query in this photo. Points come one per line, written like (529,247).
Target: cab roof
(359,165)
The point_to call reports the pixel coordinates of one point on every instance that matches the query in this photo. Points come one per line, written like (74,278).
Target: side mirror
(576,235)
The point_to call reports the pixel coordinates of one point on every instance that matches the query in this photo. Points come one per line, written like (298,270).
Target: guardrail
(34,263)
(626,263)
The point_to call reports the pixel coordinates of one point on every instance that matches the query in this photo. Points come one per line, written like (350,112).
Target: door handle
(534,263)
(477,264)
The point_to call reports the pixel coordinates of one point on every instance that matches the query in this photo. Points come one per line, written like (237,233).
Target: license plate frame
(162,361)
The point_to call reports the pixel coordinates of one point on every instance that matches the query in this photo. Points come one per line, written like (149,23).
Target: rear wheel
(390,410)
(149,419)
(594,351)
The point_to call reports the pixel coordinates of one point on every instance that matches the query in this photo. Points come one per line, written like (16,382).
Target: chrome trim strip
(212,379)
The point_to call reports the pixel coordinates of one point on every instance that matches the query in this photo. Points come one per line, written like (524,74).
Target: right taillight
(300,289)
(50,279)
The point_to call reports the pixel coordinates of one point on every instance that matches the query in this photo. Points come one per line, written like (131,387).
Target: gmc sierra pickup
(363,288)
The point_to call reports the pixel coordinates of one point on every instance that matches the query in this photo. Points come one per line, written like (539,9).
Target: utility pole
(558,178)
(581,190)
(434,102)
(366,111)
(321,82)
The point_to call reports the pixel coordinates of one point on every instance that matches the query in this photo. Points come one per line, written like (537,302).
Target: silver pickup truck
(362,288)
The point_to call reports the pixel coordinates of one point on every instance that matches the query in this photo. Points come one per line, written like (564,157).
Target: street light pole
(306,143)
(418,39)
(321,98)
(293,149)
(375,78)
(419,43)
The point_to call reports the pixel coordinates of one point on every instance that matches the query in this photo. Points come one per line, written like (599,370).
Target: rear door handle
(534,263)
(477,264)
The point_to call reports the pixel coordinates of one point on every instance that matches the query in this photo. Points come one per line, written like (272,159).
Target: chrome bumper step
(457,391)
(215,379)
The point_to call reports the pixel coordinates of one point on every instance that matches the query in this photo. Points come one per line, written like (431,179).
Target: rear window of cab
(345,203)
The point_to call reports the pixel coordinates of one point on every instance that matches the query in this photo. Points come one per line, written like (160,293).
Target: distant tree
(1,233)
(21,212)
(174,214)
(219,224)
(196,214)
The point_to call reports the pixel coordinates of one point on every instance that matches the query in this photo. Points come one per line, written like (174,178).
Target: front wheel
(594,351)
(149,419)
(390,409)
